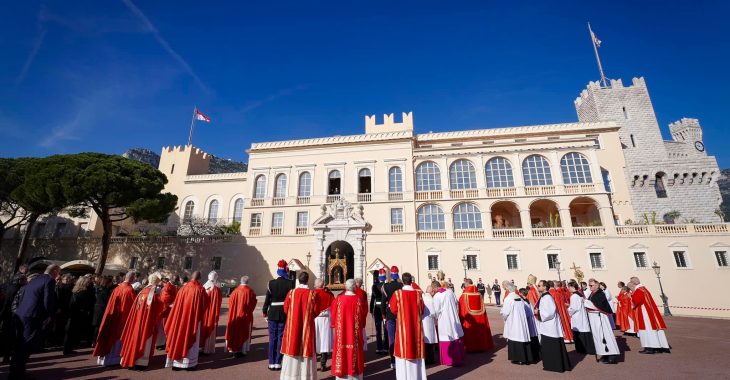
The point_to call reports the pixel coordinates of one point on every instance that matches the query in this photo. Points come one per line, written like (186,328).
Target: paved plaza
(700,350)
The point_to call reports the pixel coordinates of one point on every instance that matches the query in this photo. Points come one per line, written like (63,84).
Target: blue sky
(108,75)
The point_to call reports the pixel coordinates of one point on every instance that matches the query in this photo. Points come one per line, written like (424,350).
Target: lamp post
(465,263)
(557,268)
(657,269)
(309,257)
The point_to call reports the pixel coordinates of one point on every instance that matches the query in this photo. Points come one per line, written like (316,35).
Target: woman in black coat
(80,313)
(103,290)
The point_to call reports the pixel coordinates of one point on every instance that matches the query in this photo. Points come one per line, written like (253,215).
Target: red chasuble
(241,305)
(641,297)
(474,320)
(363,297)
(141,325)
(301,307)
(407,305)
(348,316)
(167,295)
(115,316)
(325,297)
(532,295)
(182,324)
(212,313)
(562,307)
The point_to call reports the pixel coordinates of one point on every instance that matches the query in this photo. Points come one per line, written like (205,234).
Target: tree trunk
(106,237)
(24,242)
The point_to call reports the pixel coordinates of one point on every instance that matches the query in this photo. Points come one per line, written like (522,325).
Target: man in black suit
(376,304)
(388,289)
(34,313)
(274,313)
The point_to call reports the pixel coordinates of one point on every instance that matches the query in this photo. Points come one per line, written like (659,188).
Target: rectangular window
(277,220)
(596,260)
(256,220)
(133,262)
(160,262)
(396,216)
(217,262)
(60,229)
(552,259)
(302,219)
(188,263)
(721,257)
(512,262)
(433,262)
(471,262)
(640,260)
(680,258)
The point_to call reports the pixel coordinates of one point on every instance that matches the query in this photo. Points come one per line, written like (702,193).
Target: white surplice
(191,357)
(549,323)
(578,314)
(410,369)
(428,320)
(516,325)
(603,338)
(651,338)
(323,331)
(114,357)
(298,368)
(447,314)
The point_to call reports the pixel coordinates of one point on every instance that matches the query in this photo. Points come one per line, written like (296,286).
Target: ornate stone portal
(341,221)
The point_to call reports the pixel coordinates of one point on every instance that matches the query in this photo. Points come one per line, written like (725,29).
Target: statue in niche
(337,275)
(337,269)
(499,221)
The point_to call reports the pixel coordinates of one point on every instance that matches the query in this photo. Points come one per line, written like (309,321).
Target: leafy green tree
(115,188)
(11,214)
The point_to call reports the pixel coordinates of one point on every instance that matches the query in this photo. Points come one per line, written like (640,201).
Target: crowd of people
(126,320)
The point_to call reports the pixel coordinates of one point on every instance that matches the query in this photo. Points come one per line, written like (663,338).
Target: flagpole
(192,125)
(598,59)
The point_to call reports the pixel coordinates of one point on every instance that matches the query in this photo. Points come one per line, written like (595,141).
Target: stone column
(357,247)
(565,221)
(318,259)
(487,223)
(607,221)
(526,223)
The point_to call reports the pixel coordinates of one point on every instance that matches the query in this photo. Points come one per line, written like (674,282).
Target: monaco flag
(199,116)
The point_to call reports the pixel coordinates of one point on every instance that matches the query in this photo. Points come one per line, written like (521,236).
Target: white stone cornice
(334,140)
(519,131)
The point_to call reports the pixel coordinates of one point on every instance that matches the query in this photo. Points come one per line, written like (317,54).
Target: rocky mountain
(724,183)
(217,165)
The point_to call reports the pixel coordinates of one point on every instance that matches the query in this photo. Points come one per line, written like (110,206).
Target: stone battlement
(613,84)
(184,148)
(389,124)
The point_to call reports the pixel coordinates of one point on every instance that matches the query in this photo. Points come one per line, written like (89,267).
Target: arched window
(280,186)
(260,187)
(462,175)
(305,184)
(661,191)
(364,178)
(213,211)
(238,210)
(431,217)
(606,180)
(428,177)
(575,169)
(467,217)
(395,180)
(188,214)
(499,173)
(335,180)
(536,171)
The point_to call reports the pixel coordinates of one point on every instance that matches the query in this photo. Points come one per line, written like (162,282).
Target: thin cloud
(40,37)
(279,94)
(163,43)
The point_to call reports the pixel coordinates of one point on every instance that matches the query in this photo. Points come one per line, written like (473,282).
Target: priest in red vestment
(625,313)
(532,295)
(360,292)
(108,343)
(140,331)
(184,325)
(562,306)
(241,305)
(650,323)
(167,296)
(322,324)
(407,304)
(212,313)
(474,320)
(348,315)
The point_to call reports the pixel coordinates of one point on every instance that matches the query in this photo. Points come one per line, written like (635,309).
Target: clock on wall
(699,146)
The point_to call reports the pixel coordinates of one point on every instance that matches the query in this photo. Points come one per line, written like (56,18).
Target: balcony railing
(395,196)
(364,197)
(333,198)
(508,233)
(548,232)
(276,230)
(670,229)
(710,228)
(589,231)
(254,231)
(278,201)
(257,202)
(431,235)
(428,195)
(632,230)
(396,228)
(465,193)
(469,234)
(501,192)
(540,190)
(302,230)
(578,189)
(303,200)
